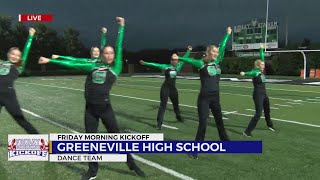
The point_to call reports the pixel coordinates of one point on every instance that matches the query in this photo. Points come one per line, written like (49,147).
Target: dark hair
(106,47)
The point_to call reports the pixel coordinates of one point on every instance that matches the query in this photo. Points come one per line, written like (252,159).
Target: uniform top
(258,77)
(9,72)
(84,60)
(100,76)
(170,70)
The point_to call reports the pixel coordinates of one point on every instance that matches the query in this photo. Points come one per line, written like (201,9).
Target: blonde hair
(257,63)
(19,63)
(208,49)
(92,48)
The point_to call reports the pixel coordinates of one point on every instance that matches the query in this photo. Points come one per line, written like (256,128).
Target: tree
(71,42)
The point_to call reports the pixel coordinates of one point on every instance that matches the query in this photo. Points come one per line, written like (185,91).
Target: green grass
(292,152)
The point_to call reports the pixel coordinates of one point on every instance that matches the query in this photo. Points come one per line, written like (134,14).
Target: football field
(56,105)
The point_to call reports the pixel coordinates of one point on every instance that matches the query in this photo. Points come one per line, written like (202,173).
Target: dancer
(9,72)
(209,93)
(98,84)
(94,51)
(168,88)
(260,97)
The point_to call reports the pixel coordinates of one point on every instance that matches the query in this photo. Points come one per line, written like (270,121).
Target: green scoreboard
(249,36)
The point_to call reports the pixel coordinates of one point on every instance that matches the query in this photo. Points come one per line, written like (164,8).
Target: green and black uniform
(8,74)
(84,60)
(260,97)
(98,84)
(219,59)
(168,89)
(208,97)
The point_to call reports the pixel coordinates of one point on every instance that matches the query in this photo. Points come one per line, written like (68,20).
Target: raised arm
(70,58)
(26,50)
(179,67)
(195,62)
(103,37)
(252,73)
(117,67)
(88,66)
(155,65)
(262,52)
(222,46)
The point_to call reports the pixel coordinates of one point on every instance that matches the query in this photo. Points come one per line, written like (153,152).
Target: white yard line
(251,110)
(170,127)
(283,105)
(295,103)
(138,158)
(232,85)
(193,90)
(151,100)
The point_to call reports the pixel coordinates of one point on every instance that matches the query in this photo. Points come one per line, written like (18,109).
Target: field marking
(275,108)
(284,105)
(313,99)
(170,127)
(231,112)
(294,103)
(138,158)
(193,90)
(151,100)
(231,85)
(251,110)
(283,120)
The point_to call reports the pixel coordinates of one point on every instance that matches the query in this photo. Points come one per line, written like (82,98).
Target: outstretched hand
(104,30)
(32,31)
(242,73)
(43,60)
(120,21)
(229,30)
(54,56)
(141,62)
(190,48)
(174,57)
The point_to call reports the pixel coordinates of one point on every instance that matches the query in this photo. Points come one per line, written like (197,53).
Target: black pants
(261,101)
(9,101)
(205,103)
(165,93)
(93,113)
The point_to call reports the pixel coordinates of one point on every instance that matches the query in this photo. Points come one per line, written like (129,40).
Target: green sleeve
(156,65)
(74,59)
(198,63)
(25,54)
(117,67)
(262,54)
(222,48)
(252,73)
(74,65)
(179,67)
(103,40)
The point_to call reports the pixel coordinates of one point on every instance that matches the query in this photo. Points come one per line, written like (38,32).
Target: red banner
(35,17)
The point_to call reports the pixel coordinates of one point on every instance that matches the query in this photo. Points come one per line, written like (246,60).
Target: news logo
(35,17)
(28,147)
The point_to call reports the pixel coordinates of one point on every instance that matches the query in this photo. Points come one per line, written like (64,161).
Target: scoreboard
(249,36)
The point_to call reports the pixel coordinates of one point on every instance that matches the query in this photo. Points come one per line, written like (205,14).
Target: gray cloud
(168,23)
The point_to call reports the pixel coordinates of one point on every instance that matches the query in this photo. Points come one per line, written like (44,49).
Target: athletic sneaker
(180,119)
(139,172)
(247,134)
(158,127)
(193,156)
(271,129)
(88,176)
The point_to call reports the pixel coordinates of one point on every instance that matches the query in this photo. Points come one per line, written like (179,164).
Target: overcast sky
(168,23)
